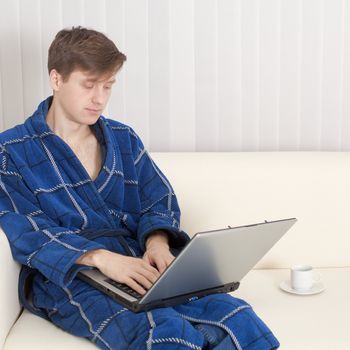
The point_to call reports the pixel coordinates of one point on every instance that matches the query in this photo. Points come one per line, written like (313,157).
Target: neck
(70,131)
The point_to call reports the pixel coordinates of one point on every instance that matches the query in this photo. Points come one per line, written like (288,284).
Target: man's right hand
(134,272)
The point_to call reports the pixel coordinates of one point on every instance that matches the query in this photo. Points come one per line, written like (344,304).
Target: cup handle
(317,277)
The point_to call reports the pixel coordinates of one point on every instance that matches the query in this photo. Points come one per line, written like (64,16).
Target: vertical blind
(201,75)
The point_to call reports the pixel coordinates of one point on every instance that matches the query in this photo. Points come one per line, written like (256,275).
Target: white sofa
(220,189)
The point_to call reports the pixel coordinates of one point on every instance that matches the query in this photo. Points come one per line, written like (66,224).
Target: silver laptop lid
(216,258)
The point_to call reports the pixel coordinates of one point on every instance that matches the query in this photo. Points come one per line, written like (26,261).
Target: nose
(98,97)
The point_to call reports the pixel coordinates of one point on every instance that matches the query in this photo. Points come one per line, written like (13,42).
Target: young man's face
(83,96)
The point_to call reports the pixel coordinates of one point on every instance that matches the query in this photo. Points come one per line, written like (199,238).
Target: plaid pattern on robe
(52,212)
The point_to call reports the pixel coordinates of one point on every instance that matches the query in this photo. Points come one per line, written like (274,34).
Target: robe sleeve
(35,239)
(159,205)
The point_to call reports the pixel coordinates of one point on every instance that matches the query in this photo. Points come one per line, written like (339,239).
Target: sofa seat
(316,322)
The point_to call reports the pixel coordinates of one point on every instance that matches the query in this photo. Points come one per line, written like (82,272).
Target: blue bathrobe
(52,213)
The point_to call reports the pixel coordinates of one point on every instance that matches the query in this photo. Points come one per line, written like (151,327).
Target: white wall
(214,75)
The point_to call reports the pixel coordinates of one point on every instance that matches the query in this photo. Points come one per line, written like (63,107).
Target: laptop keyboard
(124,288)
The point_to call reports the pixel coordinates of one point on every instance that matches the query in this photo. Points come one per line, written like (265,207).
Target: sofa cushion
(314,322)
(31,332)
(239,188)
(317,322)
(9,305)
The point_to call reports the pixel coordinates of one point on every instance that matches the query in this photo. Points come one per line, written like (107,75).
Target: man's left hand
(157,251)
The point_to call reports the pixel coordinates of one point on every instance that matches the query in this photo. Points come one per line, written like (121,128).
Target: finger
(151,276)
(151,272)
(150,266)
(143,268)
(170,259)
(161,264)
(150,261)
(142,280)
(164,261)
(146,258)
(135,286)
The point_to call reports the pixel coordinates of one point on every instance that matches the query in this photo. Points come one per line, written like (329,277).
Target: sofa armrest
(9,304)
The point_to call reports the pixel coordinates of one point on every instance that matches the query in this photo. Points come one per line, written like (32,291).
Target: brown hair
(85,49)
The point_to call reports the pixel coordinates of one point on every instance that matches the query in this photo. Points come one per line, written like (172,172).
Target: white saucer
(317,288)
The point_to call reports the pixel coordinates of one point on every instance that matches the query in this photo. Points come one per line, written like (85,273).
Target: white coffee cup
(303,277)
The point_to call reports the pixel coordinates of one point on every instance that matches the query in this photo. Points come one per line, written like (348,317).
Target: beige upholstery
(220,189)
(9,306)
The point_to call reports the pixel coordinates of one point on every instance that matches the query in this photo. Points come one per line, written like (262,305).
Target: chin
(90,120)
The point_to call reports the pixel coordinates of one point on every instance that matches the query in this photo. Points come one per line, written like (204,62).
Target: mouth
(94,111)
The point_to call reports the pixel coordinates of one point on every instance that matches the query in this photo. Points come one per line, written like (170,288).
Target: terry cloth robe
(52,213)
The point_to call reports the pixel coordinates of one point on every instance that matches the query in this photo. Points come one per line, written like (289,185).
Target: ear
(55,80)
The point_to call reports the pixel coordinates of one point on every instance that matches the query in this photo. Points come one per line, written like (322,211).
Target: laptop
(211,262)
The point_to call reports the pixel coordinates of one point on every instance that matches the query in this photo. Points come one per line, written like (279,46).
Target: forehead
(93,77)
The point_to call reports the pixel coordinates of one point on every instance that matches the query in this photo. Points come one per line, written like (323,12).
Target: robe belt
(25,281)
(120,233)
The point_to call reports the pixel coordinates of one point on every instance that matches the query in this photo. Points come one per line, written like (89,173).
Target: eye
(108,87)
(87,85)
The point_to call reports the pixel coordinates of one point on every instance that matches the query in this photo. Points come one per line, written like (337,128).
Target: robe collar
(111,173)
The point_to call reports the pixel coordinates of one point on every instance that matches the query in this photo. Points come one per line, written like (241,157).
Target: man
(80,191)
